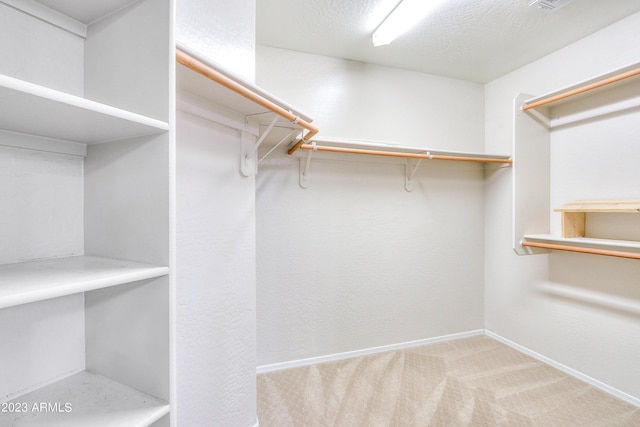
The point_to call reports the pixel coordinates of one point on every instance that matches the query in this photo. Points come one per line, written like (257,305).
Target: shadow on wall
(588,280)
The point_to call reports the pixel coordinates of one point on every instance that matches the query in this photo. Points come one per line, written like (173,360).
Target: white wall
(215,236)
(216,278)
(355,261)
(223,31)
(566,306)
(363,101)
(42,202)
(40,217)
(46,55)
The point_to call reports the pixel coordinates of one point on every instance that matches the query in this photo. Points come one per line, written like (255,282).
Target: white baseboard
(579,375)
(364,352)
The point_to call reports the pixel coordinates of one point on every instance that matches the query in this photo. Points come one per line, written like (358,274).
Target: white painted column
(215,236)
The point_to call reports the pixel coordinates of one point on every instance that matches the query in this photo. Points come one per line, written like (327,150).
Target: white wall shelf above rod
(338,146)
(217,94)
(557,96)
(607,247)
(32,281)
(37,110)
(347,146)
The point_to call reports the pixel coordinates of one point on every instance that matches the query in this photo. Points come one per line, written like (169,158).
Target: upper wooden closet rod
(400,154)
(584,88)
(200,67)
(606,252)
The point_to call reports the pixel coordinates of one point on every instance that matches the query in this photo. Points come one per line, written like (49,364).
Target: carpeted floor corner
(468,382)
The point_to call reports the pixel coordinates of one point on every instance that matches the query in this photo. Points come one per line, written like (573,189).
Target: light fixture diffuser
(404,16)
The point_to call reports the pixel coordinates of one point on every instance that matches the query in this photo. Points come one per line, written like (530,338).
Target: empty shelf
(36,110)
(86,399)
(32,281)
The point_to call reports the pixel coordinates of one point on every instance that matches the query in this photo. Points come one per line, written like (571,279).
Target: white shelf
(94,401)
(391,147)
(577,86)
(586,242)
(206,88)
(36,110)
(26,282)
(210,100)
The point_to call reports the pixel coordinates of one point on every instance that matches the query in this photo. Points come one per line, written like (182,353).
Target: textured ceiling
(475,40)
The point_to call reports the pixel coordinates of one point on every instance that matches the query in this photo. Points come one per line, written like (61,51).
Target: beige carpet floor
(468,382)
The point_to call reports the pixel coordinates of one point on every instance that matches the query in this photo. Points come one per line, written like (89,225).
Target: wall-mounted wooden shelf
(93,400)
(32,281)
(37,110)
(574,218)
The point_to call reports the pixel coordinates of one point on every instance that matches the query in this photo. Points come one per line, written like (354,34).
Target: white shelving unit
(85,134)
(87,399)
(614,94)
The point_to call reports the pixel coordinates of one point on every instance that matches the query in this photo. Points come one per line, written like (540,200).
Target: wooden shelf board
(36,110)
(32,281)
(94,401)
(610,206)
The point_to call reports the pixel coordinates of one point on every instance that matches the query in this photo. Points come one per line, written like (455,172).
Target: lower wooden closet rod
(399,154)
(605,252)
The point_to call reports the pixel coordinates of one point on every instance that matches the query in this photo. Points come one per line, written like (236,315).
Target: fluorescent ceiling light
(405,15)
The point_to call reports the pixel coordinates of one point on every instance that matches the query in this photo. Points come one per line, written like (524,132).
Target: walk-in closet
(278,213)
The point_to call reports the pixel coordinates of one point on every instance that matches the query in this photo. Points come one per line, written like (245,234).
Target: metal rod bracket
(305,167)
(248,149)
(410,173)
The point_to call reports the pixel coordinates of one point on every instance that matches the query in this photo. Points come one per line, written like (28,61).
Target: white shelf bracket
(410,173)
(287,138)
(305,167)
(249,146)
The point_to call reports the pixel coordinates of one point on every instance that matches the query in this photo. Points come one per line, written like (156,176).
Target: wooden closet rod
(204,69)
(605,252)
(585,88)
(400,154)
